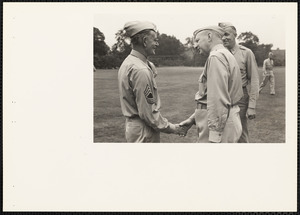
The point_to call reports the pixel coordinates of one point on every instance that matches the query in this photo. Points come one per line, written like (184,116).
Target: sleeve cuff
(252,104)
(169,129)
(171,126)
(215,136)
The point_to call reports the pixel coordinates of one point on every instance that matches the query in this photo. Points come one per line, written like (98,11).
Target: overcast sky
(266,20)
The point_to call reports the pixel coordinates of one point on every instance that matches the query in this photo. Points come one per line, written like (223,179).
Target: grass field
(177,87)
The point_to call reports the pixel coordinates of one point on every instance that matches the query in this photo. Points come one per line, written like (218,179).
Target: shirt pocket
(242,64)
(202,85)
(154,89)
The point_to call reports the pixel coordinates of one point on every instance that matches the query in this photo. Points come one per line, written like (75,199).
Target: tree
(189,42)
(191,56)
(251,41)
(122,48)
(123,41)
(169,45)
(262,52)
(100,47)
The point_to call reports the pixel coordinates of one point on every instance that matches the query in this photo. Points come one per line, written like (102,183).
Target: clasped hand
(185,126)
(181,130)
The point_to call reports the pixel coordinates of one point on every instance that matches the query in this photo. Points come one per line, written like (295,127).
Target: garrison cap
(226,25)
(213,28)
(134,27)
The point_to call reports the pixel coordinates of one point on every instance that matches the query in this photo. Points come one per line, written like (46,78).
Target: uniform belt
(201,106)
(204,106)
(133,117)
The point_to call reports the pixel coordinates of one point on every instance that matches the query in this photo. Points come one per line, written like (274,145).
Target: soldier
(220,88)
(250,79)
(139,98)
(268,74)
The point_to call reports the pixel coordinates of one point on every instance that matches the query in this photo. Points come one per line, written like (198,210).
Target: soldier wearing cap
(268,74)
(220,88)
(140,102)
(249,73)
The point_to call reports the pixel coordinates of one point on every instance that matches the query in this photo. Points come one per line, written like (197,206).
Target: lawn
(177,87)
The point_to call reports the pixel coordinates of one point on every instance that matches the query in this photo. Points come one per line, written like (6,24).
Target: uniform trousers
(266,79)
(243,105)
(231,132)
(137,131)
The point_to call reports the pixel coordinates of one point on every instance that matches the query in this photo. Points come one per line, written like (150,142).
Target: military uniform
(250,81)
(140,102)
(268,75)
(220,88)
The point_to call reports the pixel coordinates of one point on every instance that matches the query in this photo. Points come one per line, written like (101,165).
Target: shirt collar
(218,46)
(139,55)
(234,49)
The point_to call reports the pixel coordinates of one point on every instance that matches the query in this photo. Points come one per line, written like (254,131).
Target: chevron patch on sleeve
(149,95)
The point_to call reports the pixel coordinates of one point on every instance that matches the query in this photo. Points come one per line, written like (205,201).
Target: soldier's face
(201,42)
(229,38)
(151,43)
(271,55)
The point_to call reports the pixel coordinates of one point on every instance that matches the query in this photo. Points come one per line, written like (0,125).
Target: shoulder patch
(149,95)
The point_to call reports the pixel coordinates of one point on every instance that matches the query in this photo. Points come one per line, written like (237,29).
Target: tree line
(170,52)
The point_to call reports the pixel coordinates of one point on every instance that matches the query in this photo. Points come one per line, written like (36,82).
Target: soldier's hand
(187,124)
(181,130)
(251,113)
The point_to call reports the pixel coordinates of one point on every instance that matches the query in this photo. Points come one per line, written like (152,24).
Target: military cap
(134,27)
(226,25)
(213,28)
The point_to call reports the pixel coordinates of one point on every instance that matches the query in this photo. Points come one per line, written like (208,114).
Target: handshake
(182,128)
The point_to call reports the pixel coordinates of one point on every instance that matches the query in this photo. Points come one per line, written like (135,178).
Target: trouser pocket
(134,131)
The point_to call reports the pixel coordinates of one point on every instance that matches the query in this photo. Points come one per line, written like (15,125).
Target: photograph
(156,92)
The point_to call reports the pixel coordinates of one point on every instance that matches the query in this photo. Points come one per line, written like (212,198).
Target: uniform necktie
(152,67)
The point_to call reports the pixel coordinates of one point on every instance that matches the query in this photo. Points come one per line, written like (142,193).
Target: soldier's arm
(189,122)
(252,72)
(218,98)
(264,66)
(143,88)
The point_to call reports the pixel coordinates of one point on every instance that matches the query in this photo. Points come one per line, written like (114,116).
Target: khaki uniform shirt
(138,91)
(220,87)
(268,66)
(249,72)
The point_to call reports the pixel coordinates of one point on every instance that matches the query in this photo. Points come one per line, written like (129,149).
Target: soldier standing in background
(268,74)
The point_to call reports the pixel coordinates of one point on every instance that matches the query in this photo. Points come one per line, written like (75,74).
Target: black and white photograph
(142,107)
(184,74)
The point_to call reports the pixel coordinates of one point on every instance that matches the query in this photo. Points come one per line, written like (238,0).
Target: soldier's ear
(144,41)
(209,36)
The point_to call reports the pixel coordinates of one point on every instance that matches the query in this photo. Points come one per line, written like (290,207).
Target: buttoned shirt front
(249,71)
(138,91)
(220,87)
(268,66)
